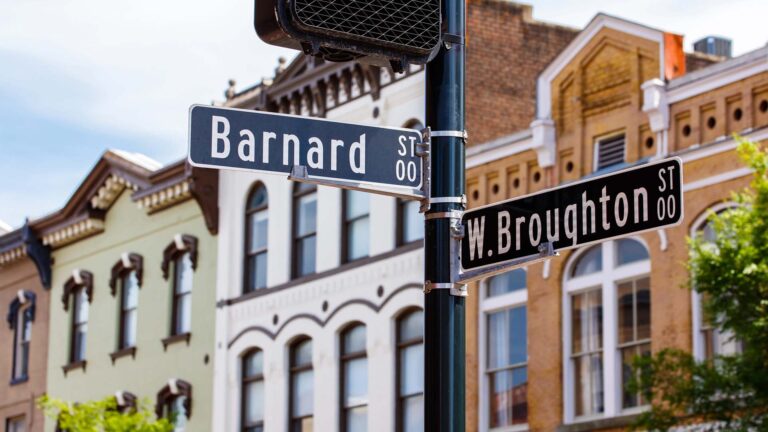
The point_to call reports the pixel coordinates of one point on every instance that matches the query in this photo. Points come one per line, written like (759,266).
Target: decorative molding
(125,352)
(14,254)
(82,364)
(320,322)
(165,197)
(544,141)
(108,192)
(22,298)
(72,232)
(38,253)
(175,387)
(170,340)
(716,179)
(128,262)
(204,187)
(125,401)
(79,279)
(182,243)
(663,240)
(655,104)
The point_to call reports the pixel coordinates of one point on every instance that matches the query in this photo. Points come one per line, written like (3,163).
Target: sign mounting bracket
(299,173)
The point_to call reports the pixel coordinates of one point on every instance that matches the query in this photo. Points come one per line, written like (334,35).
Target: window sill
(19,380)
(515,428)
(170,340)
(74,366)
(591,424)
(125,352)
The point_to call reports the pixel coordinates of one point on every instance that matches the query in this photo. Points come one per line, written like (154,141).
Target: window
(301,387)
(506,354)
(129,299)
(709,339)
(304,228)
(252,388)
(182,295)
(126,402)
(128,273)
(21,314)
(410,371)
(15,424)
(410,224)
(355,228)
(607,323)
(80,304)
(256,220)
(609,152)
(354,380)
(174,402)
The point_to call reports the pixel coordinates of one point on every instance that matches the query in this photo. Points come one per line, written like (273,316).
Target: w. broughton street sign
(598,209)
(358,156)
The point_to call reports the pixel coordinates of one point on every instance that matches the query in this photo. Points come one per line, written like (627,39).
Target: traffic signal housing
(382,32)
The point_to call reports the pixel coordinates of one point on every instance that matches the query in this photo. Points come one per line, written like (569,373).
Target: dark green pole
(444,351)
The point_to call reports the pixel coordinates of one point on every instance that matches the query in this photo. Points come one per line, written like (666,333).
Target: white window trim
(489,305)
(596,147)
(696,310)
(607,281)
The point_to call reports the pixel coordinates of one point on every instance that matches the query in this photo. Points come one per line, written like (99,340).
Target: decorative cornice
(109,191)
(167,196)
(14,254)
(128,262)
(174,388)
(74,231)
(79,279)
(22,298)
(204,187)
(38,253)
(181,244)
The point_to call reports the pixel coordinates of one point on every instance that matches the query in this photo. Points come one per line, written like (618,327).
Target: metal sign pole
(444,300)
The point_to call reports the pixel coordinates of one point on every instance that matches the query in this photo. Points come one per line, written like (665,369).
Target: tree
(101,416)
(729,392)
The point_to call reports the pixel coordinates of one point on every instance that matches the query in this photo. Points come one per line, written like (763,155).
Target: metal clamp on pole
(457,289)
(546,251)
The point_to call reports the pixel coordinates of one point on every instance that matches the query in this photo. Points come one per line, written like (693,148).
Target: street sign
(618,204)
(343,154)
(392,32)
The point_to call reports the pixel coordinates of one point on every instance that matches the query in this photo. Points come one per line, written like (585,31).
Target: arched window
(256,228)
(252,388)
(21,314)
(607,323)
(354,380)
(302,388)
(355,230)
(410,371)
(709,340)
(304,228)
(506,354)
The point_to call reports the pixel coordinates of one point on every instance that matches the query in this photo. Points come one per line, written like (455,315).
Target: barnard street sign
(276,143)
(618,204)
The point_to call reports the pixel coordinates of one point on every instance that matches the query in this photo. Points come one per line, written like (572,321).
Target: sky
(78,77)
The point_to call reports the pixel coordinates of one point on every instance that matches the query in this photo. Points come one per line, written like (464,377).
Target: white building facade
(319,321)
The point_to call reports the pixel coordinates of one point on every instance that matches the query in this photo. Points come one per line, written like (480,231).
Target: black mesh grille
(414,24)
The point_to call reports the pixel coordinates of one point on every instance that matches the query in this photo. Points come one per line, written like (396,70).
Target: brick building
(560,334)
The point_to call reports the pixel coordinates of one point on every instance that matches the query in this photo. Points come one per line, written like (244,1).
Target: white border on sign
(253,170)
(536,257)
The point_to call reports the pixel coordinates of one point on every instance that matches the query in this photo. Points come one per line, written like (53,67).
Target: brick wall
(507,50)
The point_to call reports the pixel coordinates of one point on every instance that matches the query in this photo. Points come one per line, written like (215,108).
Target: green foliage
(731,273)
(101,416)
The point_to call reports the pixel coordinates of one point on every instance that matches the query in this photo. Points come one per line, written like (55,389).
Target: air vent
(410,24)
(610,151)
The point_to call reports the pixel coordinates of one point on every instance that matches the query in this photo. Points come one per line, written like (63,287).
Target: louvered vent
(610,151)
(409,24)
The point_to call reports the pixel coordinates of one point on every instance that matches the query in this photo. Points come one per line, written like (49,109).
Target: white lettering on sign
(476,233)
(315,153)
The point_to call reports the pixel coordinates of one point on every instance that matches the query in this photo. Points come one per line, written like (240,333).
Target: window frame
(13,419)
(607,281)
(488,306)
(347,223)
(244,381)
(123,313)
(401,345)
(176,296)
(247,253)
(400,240)
(296,195)
(292,373)
(74,325)
(596,150)
(697,311)
(166,397)
(21,311)
(344,358)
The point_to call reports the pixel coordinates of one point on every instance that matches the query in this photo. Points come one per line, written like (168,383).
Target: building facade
(304,271)
(556,339)
(132,289)
(24,297)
